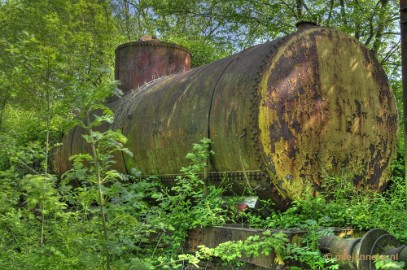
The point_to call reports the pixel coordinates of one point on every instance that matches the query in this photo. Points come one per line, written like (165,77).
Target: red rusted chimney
(148,59)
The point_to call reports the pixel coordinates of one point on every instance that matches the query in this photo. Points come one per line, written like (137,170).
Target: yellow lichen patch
(326,110)
(354,132)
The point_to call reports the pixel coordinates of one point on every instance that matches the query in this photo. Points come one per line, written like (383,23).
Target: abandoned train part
(282,116)
(351,249)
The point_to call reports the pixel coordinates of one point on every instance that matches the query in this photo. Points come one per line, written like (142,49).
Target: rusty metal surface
(282,116)
(142,61)
(326,110)
(62,153)
(361,253)
(351,249)
(73,143)
(213,236)
(167,117)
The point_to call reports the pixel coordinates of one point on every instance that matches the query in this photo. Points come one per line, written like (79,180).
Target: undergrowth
(97,218)
(143,224)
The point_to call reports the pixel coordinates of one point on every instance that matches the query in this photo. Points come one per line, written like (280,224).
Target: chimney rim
(302,25)
(152,43)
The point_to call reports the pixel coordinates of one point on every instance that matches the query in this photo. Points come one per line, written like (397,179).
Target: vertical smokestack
(148,59)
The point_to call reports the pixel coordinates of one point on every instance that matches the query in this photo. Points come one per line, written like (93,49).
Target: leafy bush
(114,221)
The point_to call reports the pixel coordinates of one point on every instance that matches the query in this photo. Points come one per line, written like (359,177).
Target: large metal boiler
(282,116)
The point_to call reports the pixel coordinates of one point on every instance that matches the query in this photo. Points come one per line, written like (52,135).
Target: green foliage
(233,25)
(108,220)
(252,246)
(276,245)
(338,207)
(307,251)
(203,51)
(147,222)
(346,207)
(341,207)
(187,204)
(40,193)
(48,60)
(388,263)
(55,66)
(374,211)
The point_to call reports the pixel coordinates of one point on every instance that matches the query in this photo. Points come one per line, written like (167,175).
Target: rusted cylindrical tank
(283,116)
(148,59)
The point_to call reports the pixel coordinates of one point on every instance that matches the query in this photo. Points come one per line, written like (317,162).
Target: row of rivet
(254,110)
(152,44)
(218,176)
